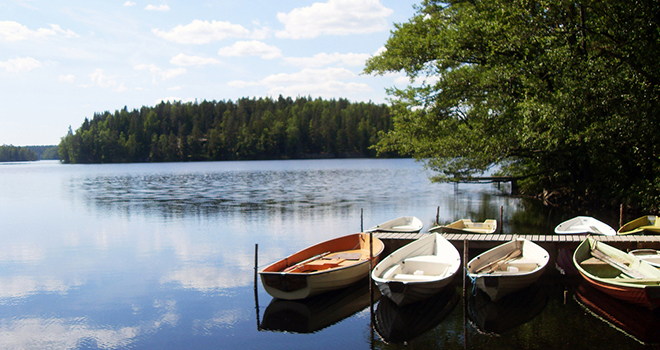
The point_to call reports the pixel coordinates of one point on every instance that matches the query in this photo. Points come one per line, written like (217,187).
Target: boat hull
(467,226)
(510,276)
(417,270)
(582,225)
(644,225)
(404,224)
(294,285)
(611,281)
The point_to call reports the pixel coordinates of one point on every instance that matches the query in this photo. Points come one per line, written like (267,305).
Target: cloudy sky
(61,61)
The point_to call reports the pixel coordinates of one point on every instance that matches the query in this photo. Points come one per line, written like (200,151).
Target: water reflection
(399,324)
(507,313)
(313,314)
(637,322)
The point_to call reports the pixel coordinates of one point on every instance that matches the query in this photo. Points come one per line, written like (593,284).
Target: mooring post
(501,219)
(256,292)
(361,220)
(437,216)
(620,215)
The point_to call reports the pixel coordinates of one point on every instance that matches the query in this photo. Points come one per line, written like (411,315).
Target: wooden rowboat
(648,224)
(618,274)
(417,270)
(466,225)
(406,224)
(326,266)
(508,267)
(582,225)
(651,256)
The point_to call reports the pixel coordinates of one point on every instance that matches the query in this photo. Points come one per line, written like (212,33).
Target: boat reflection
(507,313)
(318,312)
(398,324)
(638,322)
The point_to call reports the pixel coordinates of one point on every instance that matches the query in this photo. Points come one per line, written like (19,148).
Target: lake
(161,256)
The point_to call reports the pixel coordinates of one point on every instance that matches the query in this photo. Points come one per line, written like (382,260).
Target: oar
(514,254)
(292,267)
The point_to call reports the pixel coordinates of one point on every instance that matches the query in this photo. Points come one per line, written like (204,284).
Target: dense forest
(9,153)
(563,95)
(247,129)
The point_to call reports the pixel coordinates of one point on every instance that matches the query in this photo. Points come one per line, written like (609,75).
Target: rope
(473,280)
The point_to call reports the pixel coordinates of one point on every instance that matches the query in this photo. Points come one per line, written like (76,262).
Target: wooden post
(256,292)
(361,220)
(465,257)
(621,215)
(501,219)
(437,216)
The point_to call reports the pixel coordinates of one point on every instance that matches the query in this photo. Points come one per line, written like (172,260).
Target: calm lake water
(161,256)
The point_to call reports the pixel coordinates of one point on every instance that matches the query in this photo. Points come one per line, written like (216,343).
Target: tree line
(563,94)
(247,129)
(10,153)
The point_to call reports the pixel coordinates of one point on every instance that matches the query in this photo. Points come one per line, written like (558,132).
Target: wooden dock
(549,242)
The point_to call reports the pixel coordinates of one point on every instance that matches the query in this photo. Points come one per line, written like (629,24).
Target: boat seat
(413,277)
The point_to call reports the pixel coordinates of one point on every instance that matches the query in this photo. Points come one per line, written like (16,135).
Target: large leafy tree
(563,94)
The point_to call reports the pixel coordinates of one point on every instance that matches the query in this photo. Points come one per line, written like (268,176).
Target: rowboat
(320,268)
(646,224)
(651,256)
(508,267)
(618,274)
(417,270)
(406,224)
(401,324)
(583,225)
(466,225)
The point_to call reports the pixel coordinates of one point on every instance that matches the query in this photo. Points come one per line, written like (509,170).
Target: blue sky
(63,61)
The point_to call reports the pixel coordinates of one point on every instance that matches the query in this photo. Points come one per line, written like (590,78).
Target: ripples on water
(161,256)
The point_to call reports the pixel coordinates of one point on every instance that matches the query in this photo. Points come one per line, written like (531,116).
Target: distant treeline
(247,129)
(9,153)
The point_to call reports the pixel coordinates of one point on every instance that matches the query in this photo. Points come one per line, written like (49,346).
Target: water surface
(161,256)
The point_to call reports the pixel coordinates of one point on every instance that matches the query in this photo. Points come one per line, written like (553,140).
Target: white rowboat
(417,270)
(508,267)
(406,224)
(583,225)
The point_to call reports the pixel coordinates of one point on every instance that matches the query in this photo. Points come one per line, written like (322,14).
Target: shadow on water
(637,322)
(316,313)
(400,324)
(507,313)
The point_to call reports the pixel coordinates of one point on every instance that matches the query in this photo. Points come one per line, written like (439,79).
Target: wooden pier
(549,242)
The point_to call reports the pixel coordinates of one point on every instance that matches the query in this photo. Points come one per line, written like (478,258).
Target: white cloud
(317,82)
(130,3)
(67,78)
(99,78)
(185,60)
(157,8)
(164,74)
(335,17)
(325,59)
(174,99)
(203,32)
(14,31)
(251,48)
(23,64)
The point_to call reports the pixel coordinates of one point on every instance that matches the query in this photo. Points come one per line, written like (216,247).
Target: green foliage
(9,153)
(226,130)
(563,94)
